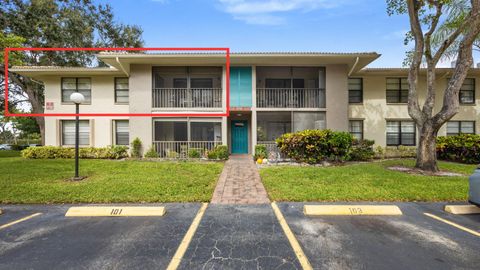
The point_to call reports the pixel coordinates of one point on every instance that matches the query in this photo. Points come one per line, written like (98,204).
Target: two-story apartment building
(270,94)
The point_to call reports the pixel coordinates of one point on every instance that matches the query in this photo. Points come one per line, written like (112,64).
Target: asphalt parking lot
(237,237)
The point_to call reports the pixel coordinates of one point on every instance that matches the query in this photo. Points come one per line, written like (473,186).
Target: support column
(225,131)
(254,130)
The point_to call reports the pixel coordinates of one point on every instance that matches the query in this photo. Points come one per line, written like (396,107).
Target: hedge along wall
(463,148)
(53,152)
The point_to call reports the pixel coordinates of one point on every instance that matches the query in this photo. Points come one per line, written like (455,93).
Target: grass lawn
(9,153)
(43,181)
(364,182)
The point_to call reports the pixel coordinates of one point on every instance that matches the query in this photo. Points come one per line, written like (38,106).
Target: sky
(270,25)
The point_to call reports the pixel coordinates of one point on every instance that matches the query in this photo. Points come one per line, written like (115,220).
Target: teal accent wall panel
(240,86)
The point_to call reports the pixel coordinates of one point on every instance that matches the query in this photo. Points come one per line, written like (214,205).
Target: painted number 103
(355,210)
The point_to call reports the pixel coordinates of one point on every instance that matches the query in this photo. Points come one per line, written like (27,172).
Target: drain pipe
(354,66)
(121,66)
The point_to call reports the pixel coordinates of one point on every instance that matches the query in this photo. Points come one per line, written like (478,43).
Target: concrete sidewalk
(240,183)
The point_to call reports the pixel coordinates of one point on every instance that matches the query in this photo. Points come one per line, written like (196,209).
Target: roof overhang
(44,71)
(404,71)
(354,61)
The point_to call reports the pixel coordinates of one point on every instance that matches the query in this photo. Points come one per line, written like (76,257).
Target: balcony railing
(187,98)
(184,149)
(290,98)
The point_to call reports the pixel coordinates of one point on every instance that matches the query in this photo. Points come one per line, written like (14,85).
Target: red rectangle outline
(227,66)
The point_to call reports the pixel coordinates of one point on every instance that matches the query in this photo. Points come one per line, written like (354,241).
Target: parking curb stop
(115,211)
(462,209)
(351,210)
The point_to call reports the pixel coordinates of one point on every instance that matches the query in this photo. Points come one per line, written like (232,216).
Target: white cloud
(270,12)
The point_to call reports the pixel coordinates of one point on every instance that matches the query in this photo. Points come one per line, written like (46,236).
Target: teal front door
(239,137)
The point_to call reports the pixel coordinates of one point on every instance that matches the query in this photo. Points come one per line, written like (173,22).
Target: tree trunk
(41,125)
(37,107)
(427,148)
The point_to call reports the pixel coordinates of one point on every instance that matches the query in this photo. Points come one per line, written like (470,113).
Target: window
(121,90)
(397,90)
(206,131)
(122,132)
(457,127)
(271,125)
(400,133)
(180,83)
(171,131)
(201,83)
(68,132)
(80,85)
(355,127)
(355,90)
(467,92)
(284,83)
(308,120)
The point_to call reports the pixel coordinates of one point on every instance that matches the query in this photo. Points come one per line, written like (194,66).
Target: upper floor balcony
(290,87)
(187,87)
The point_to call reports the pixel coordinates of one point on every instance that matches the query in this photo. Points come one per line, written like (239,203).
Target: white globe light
(77,98)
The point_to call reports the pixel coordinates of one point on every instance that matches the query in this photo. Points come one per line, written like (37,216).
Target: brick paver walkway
(240,183)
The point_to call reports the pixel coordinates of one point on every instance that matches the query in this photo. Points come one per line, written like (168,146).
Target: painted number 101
(116,211)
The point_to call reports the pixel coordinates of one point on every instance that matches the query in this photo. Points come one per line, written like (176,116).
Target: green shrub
(222,152)
(219,152)
(151,153)
(463,148)
(18,147)
(136,150)
(194,152)
(362,150)
(314,146)
(260,151)
(55,152)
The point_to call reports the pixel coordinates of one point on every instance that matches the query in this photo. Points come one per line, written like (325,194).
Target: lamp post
(77,98)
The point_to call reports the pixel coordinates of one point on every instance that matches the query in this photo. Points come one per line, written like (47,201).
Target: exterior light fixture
(77,98)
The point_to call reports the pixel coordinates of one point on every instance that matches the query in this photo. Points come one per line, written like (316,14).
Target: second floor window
(284,83)
(397,90)
(121,90)
(355,90)
(457,127)
(201,83)
(467,92)
(400,133)
(80,85)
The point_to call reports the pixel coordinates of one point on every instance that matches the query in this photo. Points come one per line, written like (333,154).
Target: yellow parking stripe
(350,210)
(177,258)
(115,211)
(291,238)
(19,220)
(453,224)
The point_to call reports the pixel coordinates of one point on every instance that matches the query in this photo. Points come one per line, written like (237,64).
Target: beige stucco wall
(102,102)
(140,84)
(375,111)
(336,87)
